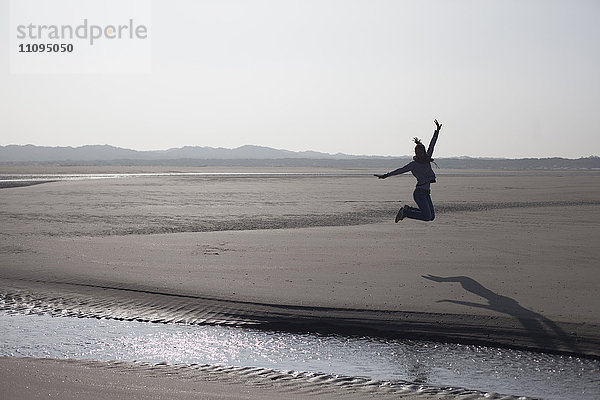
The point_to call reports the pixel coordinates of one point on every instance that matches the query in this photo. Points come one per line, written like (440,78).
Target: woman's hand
(380,176)
(438,126)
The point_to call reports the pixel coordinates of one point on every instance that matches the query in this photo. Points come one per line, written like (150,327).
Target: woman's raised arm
(438,127)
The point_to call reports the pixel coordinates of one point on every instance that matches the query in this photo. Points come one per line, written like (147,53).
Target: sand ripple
(292,383)
(93,301)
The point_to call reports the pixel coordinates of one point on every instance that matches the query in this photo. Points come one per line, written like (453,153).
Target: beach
(510,260)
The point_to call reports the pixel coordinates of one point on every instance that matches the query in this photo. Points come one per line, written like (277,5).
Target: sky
(510,78)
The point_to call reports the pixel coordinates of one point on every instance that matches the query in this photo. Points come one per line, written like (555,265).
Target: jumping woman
(421,169)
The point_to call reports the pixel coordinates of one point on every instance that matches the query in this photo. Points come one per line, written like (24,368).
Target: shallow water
(4,178)
(474,367)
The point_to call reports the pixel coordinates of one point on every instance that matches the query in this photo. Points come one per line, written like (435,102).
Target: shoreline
(39,378)
(121,303)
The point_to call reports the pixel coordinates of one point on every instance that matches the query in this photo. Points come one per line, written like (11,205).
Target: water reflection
(473,367)
(238,174)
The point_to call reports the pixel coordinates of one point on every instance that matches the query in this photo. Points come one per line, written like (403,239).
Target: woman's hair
(419,145)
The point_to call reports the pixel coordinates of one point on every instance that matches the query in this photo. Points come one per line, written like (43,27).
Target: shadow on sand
(540,329)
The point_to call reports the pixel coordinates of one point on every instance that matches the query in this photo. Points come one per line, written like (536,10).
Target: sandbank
(511,259)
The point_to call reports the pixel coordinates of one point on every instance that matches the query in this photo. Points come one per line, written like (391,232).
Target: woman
(421,169)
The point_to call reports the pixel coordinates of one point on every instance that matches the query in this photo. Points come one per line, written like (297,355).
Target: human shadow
(542,330)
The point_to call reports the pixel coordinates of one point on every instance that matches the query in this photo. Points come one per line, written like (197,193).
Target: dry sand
(510,260)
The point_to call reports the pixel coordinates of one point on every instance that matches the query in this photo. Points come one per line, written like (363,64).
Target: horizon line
(290,151)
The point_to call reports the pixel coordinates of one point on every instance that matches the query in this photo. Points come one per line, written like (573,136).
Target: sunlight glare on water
(438,364)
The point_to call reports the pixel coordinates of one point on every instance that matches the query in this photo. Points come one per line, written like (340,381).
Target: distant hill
(31,153)
(260,156)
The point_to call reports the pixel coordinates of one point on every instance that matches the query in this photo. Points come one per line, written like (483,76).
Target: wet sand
(32,379)
(510,260)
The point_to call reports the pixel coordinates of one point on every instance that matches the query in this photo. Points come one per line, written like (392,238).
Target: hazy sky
(506,78)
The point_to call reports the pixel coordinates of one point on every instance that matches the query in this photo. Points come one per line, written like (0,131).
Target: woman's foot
(400,216)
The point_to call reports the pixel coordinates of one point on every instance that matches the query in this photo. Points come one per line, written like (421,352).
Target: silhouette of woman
(421,169)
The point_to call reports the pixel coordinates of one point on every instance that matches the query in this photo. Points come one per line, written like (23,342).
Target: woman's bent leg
(431,209)
(425,212)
